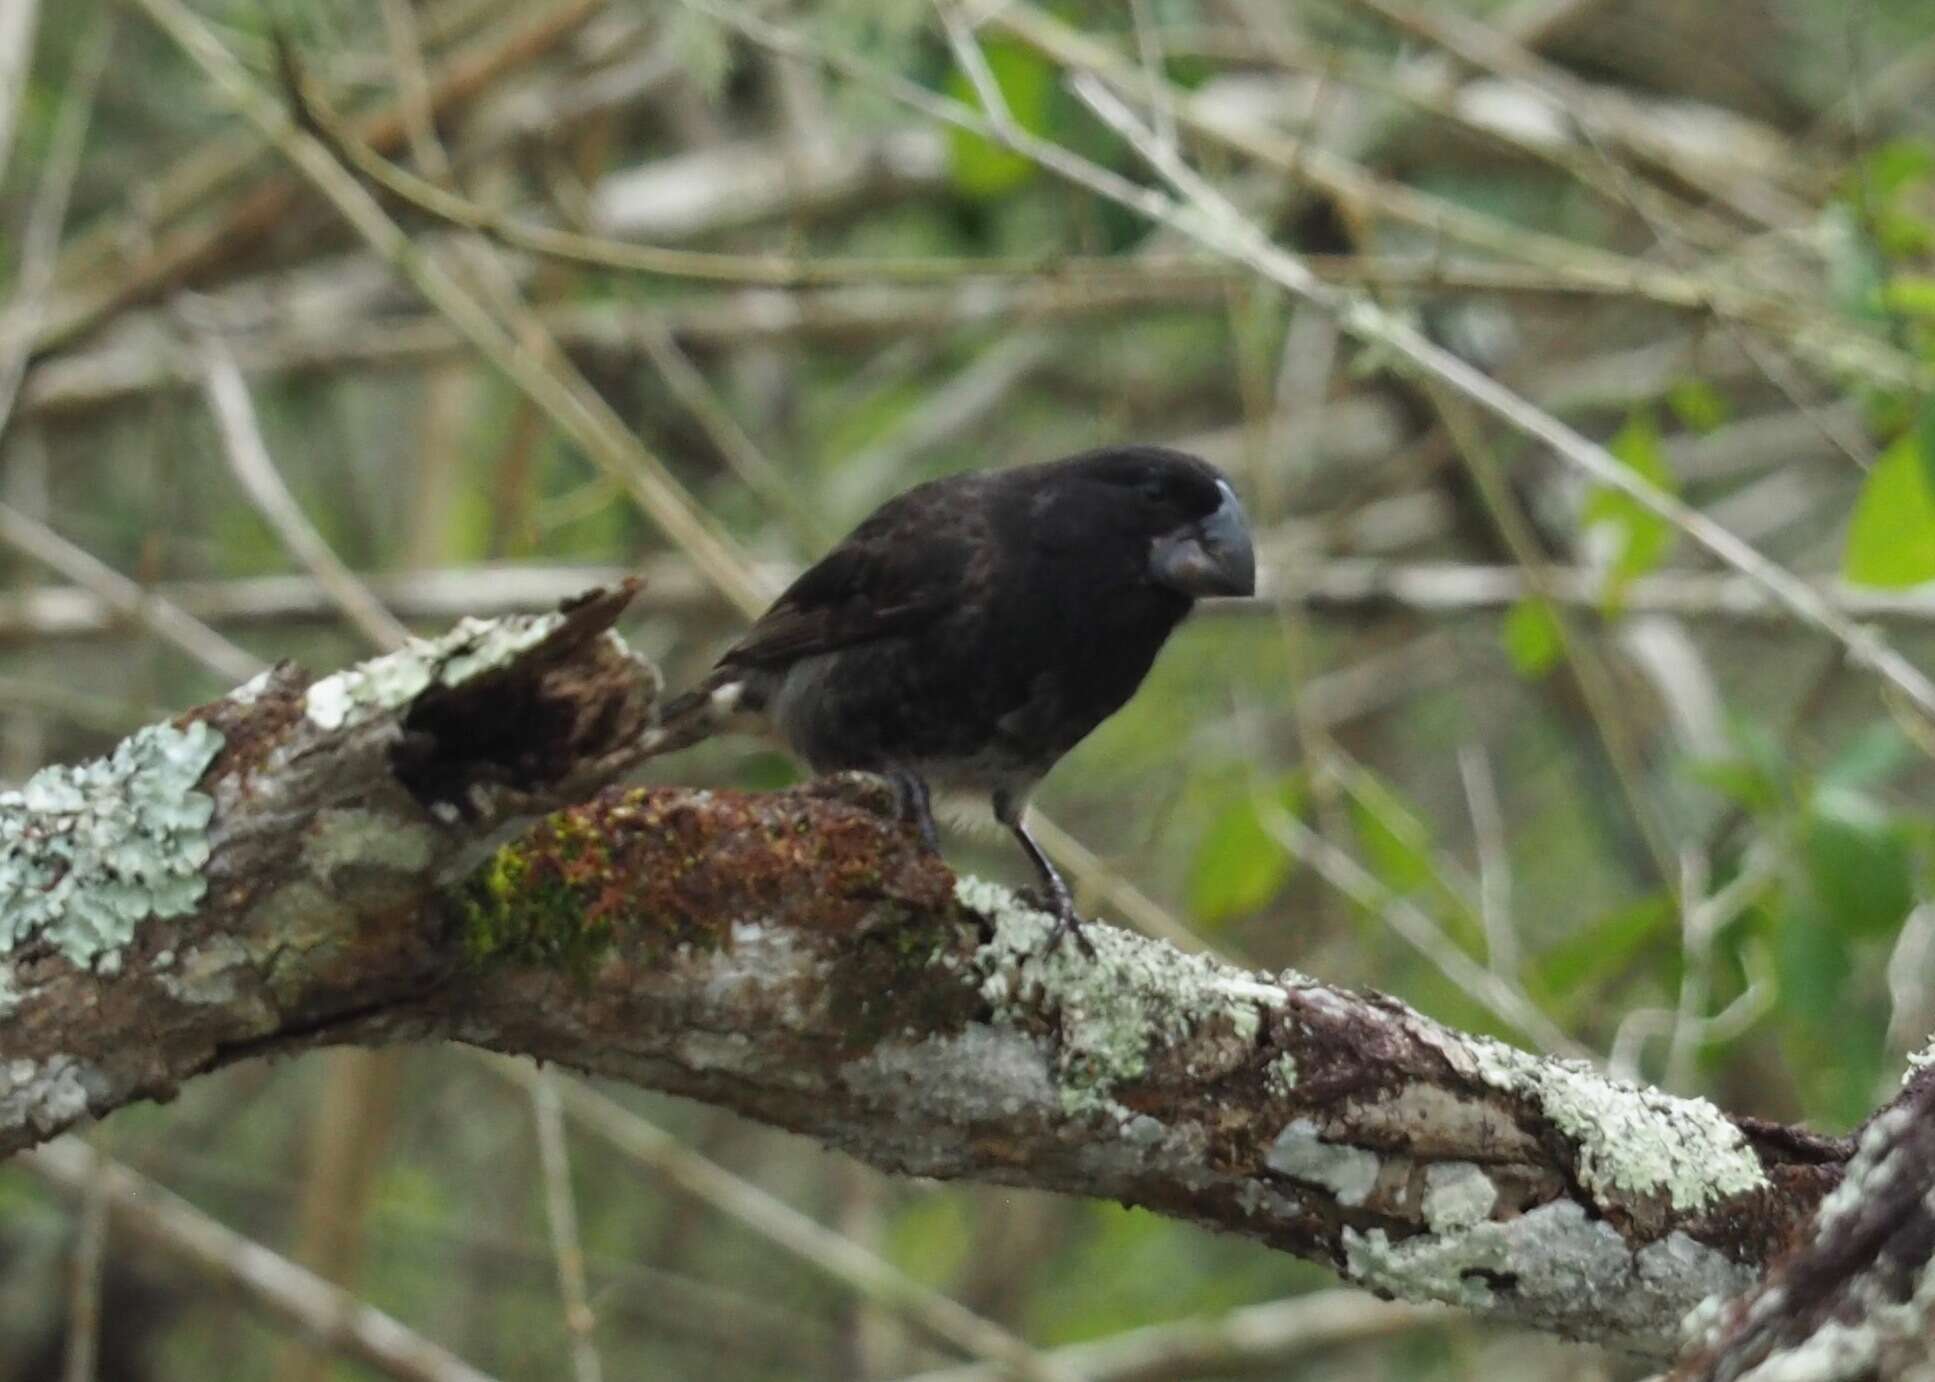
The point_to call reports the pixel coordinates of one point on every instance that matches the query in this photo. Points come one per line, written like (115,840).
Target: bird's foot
(916,806)
(1068,922)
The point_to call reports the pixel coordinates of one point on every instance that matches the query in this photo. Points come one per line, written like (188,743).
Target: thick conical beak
(1210,557)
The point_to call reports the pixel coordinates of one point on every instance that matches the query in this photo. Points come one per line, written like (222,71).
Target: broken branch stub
(263,864)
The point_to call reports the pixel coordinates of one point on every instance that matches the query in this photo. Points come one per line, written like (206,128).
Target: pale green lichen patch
(1539,1266)
(1630,1141)
(365,839)
(1281,1077)
(1299,1151)
(1453,1269)
(1457,1194)
(206,973)
(88,852)
(1115,1013)
(1920,1060)
(292,925)
(250,691)
(388,683)
(47,1095)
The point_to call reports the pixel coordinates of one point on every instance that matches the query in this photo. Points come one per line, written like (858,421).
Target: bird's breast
(979,700)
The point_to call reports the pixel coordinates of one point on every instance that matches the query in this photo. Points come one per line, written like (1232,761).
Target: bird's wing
(914,559)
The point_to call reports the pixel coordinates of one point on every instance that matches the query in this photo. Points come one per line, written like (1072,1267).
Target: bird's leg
(916,807)
(1009,812)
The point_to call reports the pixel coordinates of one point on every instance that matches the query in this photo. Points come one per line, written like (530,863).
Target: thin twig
(1704,914)
(825,1251)
(1494,860)
(561,1213)
(548,378)
(40,245)
(123,596)
(84,1282)
(1208,218)
(1605,710)
(1149,49)
(248,456)
(1831,341)
(329,1317)
(749,462)
(1345,586)
(105,280)
(1496,994)
(18,20)
(1256,1340)
(1211,220)
(415,100)
(960,39)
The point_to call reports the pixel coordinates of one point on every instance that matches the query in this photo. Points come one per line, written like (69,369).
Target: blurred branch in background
(632,289)
(326,1316)
(17,20)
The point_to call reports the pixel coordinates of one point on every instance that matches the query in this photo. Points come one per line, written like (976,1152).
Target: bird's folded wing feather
(909,563)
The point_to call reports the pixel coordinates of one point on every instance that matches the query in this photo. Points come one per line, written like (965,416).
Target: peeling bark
(797,957)
(1855,1297)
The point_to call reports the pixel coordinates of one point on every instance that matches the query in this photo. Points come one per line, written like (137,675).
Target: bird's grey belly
(831,713)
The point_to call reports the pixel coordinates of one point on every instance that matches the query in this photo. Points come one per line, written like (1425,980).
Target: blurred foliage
(1187,790)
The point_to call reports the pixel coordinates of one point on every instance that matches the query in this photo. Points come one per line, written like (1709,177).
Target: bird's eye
(1154,490)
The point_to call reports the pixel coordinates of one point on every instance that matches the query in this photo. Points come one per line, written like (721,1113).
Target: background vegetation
(1496,738)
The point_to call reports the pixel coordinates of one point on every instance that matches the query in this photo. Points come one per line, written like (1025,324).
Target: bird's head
(1198,537)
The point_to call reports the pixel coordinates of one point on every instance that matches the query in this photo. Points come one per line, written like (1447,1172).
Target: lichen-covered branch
(264,866)
(796,957)
(302,864)
(1855,1298)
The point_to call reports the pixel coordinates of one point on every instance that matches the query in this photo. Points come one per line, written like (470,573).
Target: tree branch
(1855,1299)
(306,864)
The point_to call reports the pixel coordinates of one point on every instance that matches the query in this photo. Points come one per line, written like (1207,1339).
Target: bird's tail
(707,709)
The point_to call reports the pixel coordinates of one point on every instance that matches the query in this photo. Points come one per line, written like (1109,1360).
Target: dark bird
(974,629)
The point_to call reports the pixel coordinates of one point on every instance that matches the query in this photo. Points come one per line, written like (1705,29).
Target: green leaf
(1891,538)
(1395,839)
(1532,637)
(1698,405)
(1811,961)
(1755,775)
(1895,165)
(981,168)
(929,1237)
(1855,267)
(1903,234)
(1644,537)
(1910,293)
(1603,948)
(1860,861)
(1240,865)
(1736,779)
(1872,756)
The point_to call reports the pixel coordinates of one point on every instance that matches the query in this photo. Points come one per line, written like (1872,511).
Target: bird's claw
(1068,922)
(916,806)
